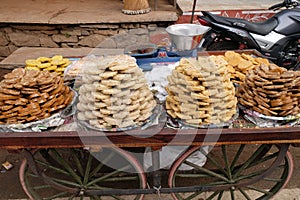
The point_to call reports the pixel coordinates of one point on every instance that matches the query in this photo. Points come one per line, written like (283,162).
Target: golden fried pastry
(270,90)
(194,96)
(35,95)
(119,93)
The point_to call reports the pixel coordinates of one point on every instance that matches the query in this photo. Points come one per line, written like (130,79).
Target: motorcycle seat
(262,28)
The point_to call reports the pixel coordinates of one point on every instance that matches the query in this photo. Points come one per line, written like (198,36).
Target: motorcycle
(277,38)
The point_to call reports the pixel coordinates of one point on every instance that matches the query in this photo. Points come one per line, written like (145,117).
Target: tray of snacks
(114,95)
(55,63)
(200,93)
(261,120)
(239,62)
(34,100)
(270,96)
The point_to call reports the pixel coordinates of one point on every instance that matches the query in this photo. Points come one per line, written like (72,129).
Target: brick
(92,40)
(33,27)
(3,40)
(108,32)
(101,26)
(108,43)
(124,40)
(138,31)
(48,42)
(64,38)
(71,32)
(24,39)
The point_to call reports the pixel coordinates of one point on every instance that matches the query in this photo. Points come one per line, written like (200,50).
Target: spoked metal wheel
(79,174)
(234,172)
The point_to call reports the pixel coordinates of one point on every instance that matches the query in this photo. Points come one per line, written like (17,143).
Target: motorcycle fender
(278,47)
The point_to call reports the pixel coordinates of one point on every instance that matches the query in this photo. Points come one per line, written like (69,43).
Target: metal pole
(193,10)
(156,166)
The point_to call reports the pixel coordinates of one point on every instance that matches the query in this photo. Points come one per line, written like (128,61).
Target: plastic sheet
(169,154)
(157,79)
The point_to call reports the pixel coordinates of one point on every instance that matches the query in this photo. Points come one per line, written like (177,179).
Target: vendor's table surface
(150,137)
(18,57)
(155,136)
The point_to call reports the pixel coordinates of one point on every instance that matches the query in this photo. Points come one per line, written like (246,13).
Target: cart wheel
(233,172)
(77,173)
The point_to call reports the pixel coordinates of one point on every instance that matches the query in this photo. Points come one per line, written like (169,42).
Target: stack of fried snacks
(56,64)
(240,63)
(114,93)
(200,91)
(31,95)
(271,90)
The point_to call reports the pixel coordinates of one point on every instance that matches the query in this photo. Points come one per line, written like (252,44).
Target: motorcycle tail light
(204,22)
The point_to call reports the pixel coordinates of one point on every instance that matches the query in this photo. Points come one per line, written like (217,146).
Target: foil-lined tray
(54,120)
(265,121)
(152,120)
(180,124)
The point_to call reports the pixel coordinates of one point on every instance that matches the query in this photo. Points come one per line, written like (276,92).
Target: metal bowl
(186,36)
(141,50)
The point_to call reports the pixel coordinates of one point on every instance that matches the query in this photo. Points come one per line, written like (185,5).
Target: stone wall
(15,36)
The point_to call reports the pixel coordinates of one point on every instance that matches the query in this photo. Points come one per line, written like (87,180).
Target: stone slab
(18,57)
(80,12)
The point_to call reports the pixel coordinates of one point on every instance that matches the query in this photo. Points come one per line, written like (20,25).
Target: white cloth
(169,154)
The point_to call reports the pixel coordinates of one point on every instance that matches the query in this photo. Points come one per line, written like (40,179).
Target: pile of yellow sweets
(240,63)
(56,64)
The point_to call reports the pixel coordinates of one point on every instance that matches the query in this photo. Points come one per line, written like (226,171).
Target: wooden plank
(138,138)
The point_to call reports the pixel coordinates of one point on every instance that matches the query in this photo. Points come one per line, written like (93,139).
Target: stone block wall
(14,36)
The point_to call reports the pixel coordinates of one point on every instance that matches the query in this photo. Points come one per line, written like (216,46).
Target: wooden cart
(242,159)
(239,163)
